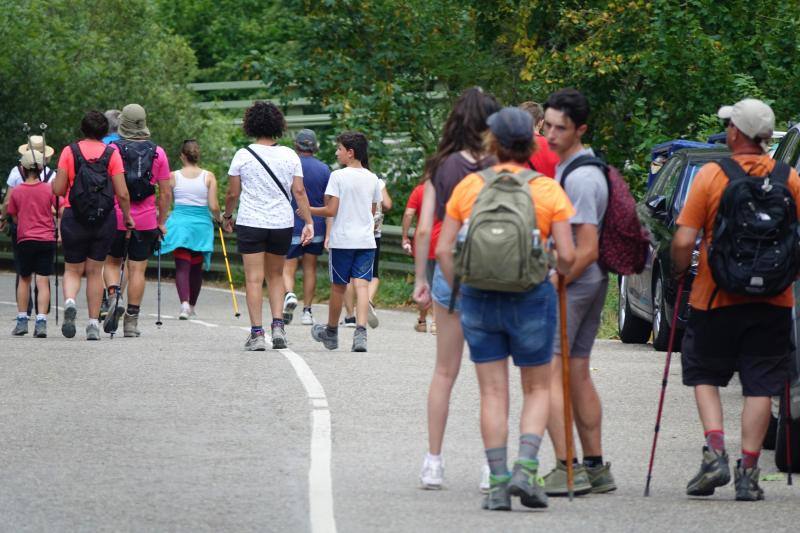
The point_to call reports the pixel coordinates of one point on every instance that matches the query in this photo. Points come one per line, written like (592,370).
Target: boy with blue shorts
(350,198)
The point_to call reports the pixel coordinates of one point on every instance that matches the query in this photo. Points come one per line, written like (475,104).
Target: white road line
(154,315)
(217,289)
(320,483)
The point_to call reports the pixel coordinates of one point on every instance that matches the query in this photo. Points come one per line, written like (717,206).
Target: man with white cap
(730,329)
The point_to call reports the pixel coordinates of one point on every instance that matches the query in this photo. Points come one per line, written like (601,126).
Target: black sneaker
(714,472)
(746,482)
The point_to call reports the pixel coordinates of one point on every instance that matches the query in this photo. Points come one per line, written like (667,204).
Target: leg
(709,406)
(94,286)
(361,289)
(273,267)
(309,279)
(493,383)
(555,422)
(373,288)
(111,272)
(755,420)
(449,352)
(43,286)
(182,268)
(23,293)
(136,281)
(349,300)
(586,406)
(73,272)
(335,304)
(289,272)
(535,399)
(254,285)
(195,281)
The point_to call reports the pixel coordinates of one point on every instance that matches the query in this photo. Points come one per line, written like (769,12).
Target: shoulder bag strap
(269,171)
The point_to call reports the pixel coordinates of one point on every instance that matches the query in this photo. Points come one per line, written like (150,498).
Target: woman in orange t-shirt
(519,324)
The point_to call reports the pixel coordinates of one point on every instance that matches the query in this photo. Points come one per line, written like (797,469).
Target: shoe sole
(111,323)
(278,344)
(40,335)
(68,327)
(131,335)
(710,490)
(326,344)
(525,499)
(576,492)
(603,489)
(255,349)
(183,318)
(359,350)
(288,312)
(372,318)
(430,486)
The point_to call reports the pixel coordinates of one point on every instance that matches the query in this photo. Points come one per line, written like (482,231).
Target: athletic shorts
(441,292)
(259,240)
(519,324)
(376,262)
(298,250)
(585,303)
(753,339)
(141,245)
(81,242)
(34,257)
(345,264)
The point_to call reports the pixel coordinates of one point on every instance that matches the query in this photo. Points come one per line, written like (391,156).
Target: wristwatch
(227,217)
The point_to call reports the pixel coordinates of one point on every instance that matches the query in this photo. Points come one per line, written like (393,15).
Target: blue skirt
(190,227)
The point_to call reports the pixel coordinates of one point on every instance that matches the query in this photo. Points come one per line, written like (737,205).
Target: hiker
(88,173)
(190,226)
(113,125)
(259,180)
(565,124)
(460,152)
(351,199)
(413,207)
(349,296)
(729,330)
(146,177)
(543,160)
(35,241)
(315,179)
(515,313)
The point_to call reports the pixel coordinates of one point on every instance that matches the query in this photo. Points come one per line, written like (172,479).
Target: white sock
(69,301)
(94,322)
(22,315)
(41,317)
(434,458)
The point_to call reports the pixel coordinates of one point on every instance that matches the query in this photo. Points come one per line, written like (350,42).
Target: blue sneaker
(40,329)
(22,326)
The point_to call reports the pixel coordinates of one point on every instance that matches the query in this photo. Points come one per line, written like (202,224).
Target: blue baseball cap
(511,126)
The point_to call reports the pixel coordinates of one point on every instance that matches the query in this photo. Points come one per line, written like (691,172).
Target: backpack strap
(732,169)
(269,171)
(583,161)
(490,176)
(780,172)
(77,157)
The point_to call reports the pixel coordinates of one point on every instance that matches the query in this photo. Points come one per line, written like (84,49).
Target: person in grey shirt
(566,114)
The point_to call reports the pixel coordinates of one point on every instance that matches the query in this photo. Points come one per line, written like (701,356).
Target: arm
(444,248)
(408,217)
(587,250)
(60,183)
(386,200)
(213,199)
(330,209)
(164,203)
(328,226)
(124,199)
(682,247)
(422,241)
(231,199)
(303,209)
(565,248)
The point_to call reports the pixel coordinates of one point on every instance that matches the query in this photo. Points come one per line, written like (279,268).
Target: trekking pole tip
(238,315)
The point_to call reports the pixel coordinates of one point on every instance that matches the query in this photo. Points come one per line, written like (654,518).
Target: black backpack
(92,194)
(138,158)
(755,247)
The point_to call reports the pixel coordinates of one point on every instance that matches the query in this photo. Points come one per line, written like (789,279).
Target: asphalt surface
(181,430)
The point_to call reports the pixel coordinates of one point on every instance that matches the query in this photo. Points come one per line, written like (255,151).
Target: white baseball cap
(752,117)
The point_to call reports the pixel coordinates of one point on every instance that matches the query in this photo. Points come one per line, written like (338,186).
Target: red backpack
(624,241)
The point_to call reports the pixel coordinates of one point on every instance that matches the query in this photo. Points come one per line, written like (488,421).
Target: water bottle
(462,233)
(536,238)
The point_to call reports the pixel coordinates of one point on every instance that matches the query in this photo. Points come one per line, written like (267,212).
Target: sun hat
(37,142)
(133,123)
(511,126)
(30,160)
(752,117)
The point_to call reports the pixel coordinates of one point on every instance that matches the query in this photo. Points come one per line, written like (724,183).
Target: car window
(789,149)
(685,184)
(663,179)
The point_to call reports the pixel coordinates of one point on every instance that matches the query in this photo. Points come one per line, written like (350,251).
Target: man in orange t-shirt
(729,332)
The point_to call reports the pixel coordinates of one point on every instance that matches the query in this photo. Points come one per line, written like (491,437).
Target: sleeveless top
(190,191)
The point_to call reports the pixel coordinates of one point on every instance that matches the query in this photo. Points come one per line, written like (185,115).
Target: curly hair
(94,125)
(264,119)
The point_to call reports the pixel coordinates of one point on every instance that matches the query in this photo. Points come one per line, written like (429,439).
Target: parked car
(788,149)
(643,308)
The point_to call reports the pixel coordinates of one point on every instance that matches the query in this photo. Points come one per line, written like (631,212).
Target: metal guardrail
(393,258)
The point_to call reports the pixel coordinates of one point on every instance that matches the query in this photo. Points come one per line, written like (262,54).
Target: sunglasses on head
(726,122)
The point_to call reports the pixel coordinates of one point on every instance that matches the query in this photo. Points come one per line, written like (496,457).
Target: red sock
(749,459)
(715,440)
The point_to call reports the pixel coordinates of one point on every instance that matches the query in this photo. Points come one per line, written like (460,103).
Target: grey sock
(498,461)
(529,446)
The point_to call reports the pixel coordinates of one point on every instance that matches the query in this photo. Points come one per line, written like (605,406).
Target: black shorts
(140,247)
(752,339)
(258,240)
(34,257)
(376,262)
(81,242)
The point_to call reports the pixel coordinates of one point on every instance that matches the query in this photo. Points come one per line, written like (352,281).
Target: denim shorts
(520,324)
(441,291)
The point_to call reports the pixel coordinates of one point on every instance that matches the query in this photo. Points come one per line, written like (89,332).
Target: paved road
(181,430)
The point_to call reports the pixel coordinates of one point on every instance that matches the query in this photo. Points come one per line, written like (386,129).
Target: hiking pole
(228,269)
(43,128)
(670,345)
(113,322)
(787,412)
(562,309)
(158,285)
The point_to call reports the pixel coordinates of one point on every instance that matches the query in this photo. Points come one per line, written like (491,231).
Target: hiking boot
(256,342)
(22,326)
(289,304)
(308,318)
(348,322)
(555,483)
(372,317)
(421,326)
(359,340)
(93,332)
(111,322)
(68,326)
(130,325)
(528,484)
(746,482)
(498,497)
(278,338)
(714,472)
(601,478)
(320,333)
(40,329)
(432,475)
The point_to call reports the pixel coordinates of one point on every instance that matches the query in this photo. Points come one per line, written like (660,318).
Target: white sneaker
(308,319)
(372,317)
(484,486)
(432,475)
(289,303)
(184,314)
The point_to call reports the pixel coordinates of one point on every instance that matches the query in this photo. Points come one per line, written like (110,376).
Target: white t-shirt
(378,219)
(357,189)
(262,204)
(15,178)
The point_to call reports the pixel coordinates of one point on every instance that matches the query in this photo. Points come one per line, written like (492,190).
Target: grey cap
(306,141)
(511,126)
